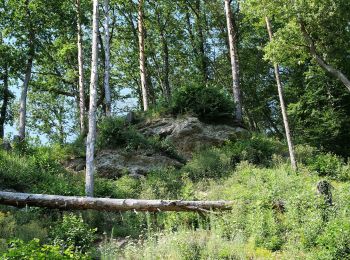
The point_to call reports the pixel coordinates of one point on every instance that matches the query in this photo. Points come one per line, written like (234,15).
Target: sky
(129,103)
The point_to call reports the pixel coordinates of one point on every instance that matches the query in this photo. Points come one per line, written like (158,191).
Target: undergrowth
(276,213)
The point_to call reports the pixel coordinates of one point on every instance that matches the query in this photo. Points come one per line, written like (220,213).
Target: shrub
(114,133)
(207,102)
(334,241)
(34,250)
(257,150)
(326,164)
(72,231)
(37,173)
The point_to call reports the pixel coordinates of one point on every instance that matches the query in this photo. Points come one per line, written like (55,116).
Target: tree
(80,69)
(282,103)
(232,36)
(107,57)
(90,142)
(143,72)
(28,73)
(320,61)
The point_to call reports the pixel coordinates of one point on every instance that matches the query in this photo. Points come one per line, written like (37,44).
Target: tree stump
(324,188)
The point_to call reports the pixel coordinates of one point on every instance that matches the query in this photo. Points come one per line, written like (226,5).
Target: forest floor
(277,213)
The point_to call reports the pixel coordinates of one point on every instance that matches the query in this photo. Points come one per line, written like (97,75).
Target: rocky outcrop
(189,133)
(113,164)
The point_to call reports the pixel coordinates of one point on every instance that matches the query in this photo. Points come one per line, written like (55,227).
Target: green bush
(326,164)
(334,242)
(37,173)
(73,232)
(34,250)
(205,102)
(124,187)
(257,150)
(114,133)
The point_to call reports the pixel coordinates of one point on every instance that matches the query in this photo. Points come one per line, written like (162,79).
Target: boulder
(189,133)
(113,164)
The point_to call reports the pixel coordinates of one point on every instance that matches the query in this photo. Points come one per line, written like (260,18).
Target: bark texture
(81,70)
(107,58)
(141,35)
(28,74)
(320,61)
(282,103)
(5,101)
(90,142)
(166,66)
(83,203)
(232,38)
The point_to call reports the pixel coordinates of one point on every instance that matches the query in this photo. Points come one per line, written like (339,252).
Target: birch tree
(142,57)
(232,38)
(28,74)
(90,142)
(107,57)
(282,103)
(81,69)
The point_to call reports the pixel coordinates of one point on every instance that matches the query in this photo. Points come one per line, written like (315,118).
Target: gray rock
(115,163)
(6,146)
(189,133)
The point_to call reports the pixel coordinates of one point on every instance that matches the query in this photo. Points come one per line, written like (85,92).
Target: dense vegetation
(276,69)
(276,213)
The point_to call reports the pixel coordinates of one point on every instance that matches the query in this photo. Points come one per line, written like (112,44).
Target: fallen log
(106,204)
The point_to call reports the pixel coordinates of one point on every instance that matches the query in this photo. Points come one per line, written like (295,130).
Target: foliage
(73,232)
(115,133)
(34,250)
(37,172)
(203,101)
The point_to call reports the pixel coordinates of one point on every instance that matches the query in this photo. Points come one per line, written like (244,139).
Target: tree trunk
(81,70)
(320,61)
(282,104)
(142,56)
(107,58)
(166,66)
(28,74)
(90,143)
(5,100)
(232,38)
(83,203)
(201,42)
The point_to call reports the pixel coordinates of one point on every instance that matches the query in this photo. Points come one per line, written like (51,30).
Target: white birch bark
(90,142)
(282,103)
(141,33)
(107,58)
(232,38)
(28,74)
(81,70)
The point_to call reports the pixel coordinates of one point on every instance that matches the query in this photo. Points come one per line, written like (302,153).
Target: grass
(277,213)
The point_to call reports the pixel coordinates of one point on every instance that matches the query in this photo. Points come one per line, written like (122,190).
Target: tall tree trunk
(282,104)
(90,142)
(320,61)
(166,66)
(232,37)
(28,74)
(142,56)
(107,58)
(201,42)
(81,70)
(5,100)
